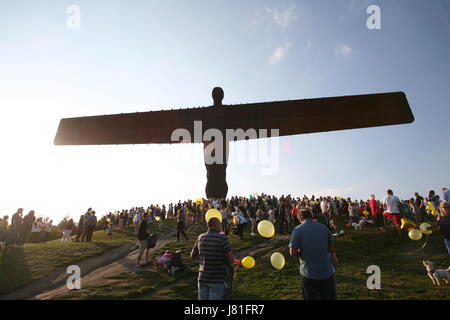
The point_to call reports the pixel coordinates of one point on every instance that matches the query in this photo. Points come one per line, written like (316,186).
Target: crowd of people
(311,221)
(311,241)
(28,228)
(237,213)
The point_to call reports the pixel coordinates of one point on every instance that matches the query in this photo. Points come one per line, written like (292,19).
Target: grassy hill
(19,267)
(402,273)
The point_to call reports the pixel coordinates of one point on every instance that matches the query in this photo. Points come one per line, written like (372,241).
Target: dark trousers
(14,237)
(319,289)
(379,221)
(240,230)
(80,233)
(229,275)
(89,232)
(283,225)
(181,231)
(225,226)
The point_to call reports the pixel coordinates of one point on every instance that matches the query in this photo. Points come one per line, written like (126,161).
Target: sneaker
(253,234)
(342,232)
(335,234)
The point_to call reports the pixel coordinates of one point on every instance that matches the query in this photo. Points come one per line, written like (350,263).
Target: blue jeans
(225,226)
(447,243)
(211,291)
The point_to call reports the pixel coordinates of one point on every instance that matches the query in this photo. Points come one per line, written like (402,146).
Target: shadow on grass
(14,270)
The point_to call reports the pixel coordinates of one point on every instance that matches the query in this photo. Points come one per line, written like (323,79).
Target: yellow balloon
(432,208)
(277,260)
(425,228)
(248,262)
(157,218)
(415,234)
(108,219)
(407,224)
(266,229)
(213,213)
(365,212)
(116,212)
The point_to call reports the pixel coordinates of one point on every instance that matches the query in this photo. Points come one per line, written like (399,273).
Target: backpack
(152,239)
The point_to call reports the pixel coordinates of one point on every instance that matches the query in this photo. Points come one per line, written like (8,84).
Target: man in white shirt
(215,204)
(324,206)
(390,203)
(446,194)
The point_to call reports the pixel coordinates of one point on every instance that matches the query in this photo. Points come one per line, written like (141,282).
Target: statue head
(217,95)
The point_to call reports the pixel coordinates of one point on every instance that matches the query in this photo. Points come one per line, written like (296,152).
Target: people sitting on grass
(176,263)
(162,261)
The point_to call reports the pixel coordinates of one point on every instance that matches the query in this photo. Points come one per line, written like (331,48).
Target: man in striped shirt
(215,254)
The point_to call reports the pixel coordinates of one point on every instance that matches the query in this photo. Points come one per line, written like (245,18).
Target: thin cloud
(279,53)
(344,50)
(281,19)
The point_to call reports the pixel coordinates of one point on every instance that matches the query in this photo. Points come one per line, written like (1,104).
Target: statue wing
(290,117)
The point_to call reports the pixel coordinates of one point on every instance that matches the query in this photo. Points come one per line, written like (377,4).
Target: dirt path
(104,273)
(101,275)
(59,276)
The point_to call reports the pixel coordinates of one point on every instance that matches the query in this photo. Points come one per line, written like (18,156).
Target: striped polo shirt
(212,249)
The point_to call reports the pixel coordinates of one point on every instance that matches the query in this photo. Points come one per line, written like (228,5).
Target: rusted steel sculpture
(289,117)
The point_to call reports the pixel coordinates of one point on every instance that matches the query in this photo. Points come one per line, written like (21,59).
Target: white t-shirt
(446,195)
(324,206)
(391,203)
(48,227)
(37,227)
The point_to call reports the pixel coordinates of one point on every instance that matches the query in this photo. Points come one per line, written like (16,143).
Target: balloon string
(424,245)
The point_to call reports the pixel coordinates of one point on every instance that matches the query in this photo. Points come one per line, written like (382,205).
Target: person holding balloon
(216,256)
(313,244)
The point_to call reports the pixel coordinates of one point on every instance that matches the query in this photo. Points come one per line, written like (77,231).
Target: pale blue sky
(148,55)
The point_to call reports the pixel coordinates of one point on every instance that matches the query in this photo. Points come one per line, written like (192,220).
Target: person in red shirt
(295,213)
(376,212)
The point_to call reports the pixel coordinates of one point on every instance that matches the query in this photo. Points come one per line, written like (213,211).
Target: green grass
(144,284)
(403,276)
(402,273)
(19,267)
